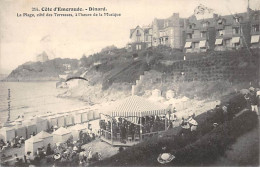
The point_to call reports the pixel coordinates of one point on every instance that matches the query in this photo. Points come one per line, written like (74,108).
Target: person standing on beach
(253,100)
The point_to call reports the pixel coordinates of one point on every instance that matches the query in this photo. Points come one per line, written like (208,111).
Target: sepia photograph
(140,83)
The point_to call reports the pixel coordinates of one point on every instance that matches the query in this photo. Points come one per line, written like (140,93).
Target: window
(138,39)
(196,44)
(205,24)
(255,28)
(236,30)
(220,32)
(189,36)
(137,32)
(193,25)
(146,38)
(138,47)
(220,21)
(190,26)
(256,17)
(237,19)
(203,34)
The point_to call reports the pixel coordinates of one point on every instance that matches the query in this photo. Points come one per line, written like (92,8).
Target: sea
(30,99)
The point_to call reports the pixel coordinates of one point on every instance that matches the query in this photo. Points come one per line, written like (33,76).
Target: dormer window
(237,19)
(236,30)
(193,25)
(220,32)
(190,26)
(205,24)
(255,28)
(220,22)
(137,32)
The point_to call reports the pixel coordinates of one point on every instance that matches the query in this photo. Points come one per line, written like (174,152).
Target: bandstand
(132,120)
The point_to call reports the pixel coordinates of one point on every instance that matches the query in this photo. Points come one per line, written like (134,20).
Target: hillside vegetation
(42,71)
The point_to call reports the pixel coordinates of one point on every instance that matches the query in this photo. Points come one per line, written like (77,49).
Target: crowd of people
(188,125)
(124,129)
(69,153)
(15,142)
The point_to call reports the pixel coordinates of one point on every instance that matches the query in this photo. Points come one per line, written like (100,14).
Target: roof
(61,131)
(38,119)
(78,127)
(133,30)
(135,106)
(34,139)
(43,135)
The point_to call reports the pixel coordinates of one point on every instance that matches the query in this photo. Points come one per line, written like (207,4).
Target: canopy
(187,45)
(32,144)
(202,44)
(31,128)
(235,40)
(255,39)
(46,138)
(61,135)
(135,106)
(61,121)
(7,133)
(78,127)
(42,124)
(43,135)
(218,41)
(61,131)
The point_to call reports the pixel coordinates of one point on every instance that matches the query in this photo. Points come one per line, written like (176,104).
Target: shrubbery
(204,151)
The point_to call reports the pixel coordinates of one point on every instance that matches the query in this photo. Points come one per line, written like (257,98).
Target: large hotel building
(191,34)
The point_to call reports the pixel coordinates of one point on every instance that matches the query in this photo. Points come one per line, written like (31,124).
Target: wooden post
(165,121)
(140,128)
(112,131)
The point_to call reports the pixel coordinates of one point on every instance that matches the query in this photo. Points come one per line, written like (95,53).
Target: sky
(22,38)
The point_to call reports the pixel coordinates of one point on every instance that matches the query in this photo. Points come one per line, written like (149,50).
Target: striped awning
(202,44)
(218,41)
(255,39)
(135,106)
(187,45)
(235,40)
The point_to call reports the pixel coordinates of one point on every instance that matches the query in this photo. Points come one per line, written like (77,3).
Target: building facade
(219,33)
(168,31)
(141,38)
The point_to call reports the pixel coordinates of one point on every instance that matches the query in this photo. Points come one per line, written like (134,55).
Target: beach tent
(30,127)
(76,129)
(69,120)
(134,106)
(61,121)
(46,138)
(20,130)
(41,124)
(77,118)
(84,117)
(97,114)
(91,115)
(53,121)
(61,135)
(7,133)
(32,144)
(19,120)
